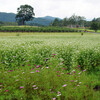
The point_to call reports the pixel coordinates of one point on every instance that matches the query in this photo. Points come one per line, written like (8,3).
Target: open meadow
(49,66)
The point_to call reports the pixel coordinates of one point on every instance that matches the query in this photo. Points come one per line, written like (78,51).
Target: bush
(36,29)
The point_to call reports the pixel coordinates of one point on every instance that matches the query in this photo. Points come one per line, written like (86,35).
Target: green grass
(42,33)
(49,66)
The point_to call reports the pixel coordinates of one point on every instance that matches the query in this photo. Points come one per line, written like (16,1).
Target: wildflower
(24,59)
(64,68)
(27,61)
(54,98)
(53,55)
(72,80)
(37,71)
(60,64)
(0,83)
(79,73)
(23,72)
(32,69)
(78,66)
(34,65)
(38,66)
(6,90)
(59,93)
(67,73)
(17,80)
(78,85)
(42,68)
(47,67)
(91,81)
(80,82)
(61,59)
(10,70)
(28,64)
(84,70)
(52,92)
(64,85)
(46,59)
(21,87)
(74,72)
(31,72)
(50,89)
(75,80)
(58,75)
(34,86)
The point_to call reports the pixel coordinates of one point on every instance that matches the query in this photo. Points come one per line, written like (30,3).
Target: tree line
(26,13)
(73,21)
(77,21)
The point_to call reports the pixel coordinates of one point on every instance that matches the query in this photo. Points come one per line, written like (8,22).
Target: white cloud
(56,8)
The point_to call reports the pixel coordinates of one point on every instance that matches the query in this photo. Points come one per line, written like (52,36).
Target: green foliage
(94,26)
(36,29)
(24,13)
(7,23)
(56,22)
(72,21)
(36,49)
(45,83)
(50,67)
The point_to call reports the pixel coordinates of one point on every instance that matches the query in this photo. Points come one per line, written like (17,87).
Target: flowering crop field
(49,66)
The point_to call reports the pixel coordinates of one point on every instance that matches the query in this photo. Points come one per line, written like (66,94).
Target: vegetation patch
(50,67)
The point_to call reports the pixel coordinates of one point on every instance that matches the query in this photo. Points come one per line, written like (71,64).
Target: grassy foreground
(49,66)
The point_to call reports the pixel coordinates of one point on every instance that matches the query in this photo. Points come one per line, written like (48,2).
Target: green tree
(65,22)
(94,26)
(56,22)
(24,13)
(76,20)
(80,21)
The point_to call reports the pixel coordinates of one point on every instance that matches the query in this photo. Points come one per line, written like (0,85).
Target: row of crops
(36,29)
(50,67)
(73,50)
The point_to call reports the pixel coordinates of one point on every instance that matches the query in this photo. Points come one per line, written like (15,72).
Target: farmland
(49,66)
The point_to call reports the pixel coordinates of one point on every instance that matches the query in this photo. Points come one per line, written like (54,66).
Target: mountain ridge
(42,21)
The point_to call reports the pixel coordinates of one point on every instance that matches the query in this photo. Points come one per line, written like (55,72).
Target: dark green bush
(36,29)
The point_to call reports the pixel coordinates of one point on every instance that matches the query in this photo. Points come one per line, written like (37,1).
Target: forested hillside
(40,21)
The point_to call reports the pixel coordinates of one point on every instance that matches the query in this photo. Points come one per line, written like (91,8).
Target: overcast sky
(56,8)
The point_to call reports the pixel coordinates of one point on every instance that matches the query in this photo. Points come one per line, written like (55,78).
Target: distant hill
(7,17)
(44,21)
